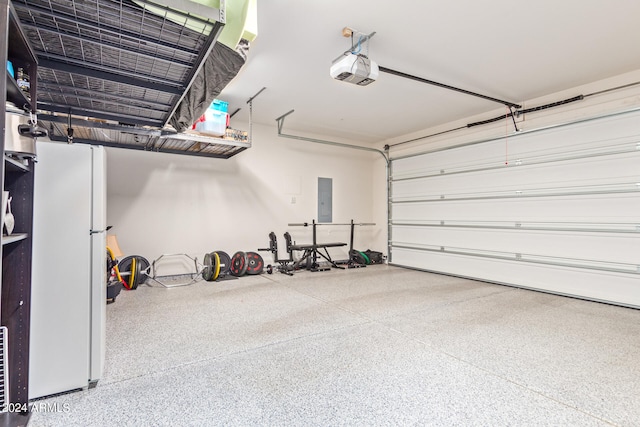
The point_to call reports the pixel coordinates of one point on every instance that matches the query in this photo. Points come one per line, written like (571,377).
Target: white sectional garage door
(563,215)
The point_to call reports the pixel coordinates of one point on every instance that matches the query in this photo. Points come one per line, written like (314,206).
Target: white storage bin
(215,123)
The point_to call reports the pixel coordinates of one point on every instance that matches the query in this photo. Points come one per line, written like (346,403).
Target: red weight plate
(256,263)
(239,264)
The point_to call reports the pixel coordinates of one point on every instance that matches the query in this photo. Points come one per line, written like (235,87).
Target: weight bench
(313,250)
(285,265)
(311,253)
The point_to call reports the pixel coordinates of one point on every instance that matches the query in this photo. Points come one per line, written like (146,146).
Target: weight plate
(216,265)
(366,258)
(129,275)
(128,282)
(207,271)
(126,271)
(225,262)
(357,257)
(239,264)
(145,269)
(124,266)
(255,263)
(134,279)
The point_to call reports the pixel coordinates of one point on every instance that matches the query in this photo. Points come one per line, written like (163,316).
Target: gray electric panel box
(325,196)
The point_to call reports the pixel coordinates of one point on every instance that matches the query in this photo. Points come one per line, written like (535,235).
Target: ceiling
(115,71)
(513,51)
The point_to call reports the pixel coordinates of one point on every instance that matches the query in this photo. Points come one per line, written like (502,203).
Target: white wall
(165,204)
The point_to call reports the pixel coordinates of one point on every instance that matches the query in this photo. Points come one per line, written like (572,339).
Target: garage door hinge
(518,256)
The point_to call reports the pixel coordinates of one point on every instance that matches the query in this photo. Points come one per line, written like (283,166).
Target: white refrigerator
(68,295)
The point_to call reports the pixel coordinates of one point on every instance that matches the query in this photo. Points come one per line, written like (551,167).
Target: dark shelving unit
(17,176)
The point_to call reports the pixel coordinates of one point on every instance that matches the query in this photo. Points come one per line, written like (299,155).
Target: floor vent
(4,371)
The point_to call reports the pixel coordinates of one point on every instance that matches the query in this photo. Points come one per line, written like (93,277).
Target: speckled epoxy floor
(374,346)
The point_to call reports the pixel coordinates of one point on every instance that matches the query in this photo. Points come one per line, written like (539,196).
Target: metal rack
(168,280)
(116,71)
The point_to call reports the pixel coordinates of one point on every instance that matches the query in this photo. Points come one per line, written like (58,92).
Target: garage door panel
(600,171)
(615,133)
(500,154)
(567,203)
(600,247)
(591,284)
(599,209)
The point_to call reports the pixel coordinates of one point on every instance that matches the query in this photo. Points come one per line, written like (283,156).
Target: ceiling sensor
(353,66)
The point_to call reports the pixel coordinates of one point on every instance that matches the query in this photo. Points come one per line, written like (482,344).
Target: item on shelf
(215,119)
(212,122)
(19,139)
(237,135)
(23,81)
(10,69)
(9,219)
(5,197)
(220,105)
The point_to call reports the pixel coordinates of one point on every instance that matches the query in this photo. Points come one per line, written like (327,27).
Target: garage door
(556,210)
